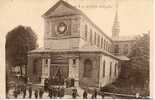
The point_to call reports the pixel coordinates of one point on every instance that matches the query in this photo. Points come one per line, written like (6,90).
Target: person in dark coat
(62,92)
(24,91)
(85,94)
(46,83)
(59,92)
(102,94)
(25,79)
(51,93)
(15,93)
(30,92)
(74,93)
(41,92)
(92,96)
(54,92)
(18,90)
(36,93)
(95,93)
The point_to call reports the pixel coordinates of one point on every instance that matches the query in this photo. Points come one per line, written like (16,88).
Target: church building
(75,48)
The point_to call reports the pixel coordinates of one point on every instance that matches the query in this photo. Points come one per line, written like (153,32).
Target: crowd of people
(57,92)
(53,92)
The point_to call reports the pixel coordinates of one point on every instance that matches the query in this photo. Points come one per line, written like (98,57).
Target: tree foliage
(140,57)
(134,76)
(19,41)
(138,67)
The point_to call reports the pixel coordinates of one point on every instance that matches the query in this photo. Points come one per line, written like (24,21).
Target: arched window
(95,38)
(110,69)
(91,36)
(116,69)
(98,41)
(110,49)
(103,68)
(102,43)
(107,45)
(87,68)
(35,65)
(46,61)
(47,27)
(86,32)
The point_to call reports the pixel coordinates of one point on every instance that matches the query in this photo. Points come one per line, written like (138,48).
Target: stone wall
(68,43)
(95,30)
(74,37)
(94,79)
(106,79)
(69,38)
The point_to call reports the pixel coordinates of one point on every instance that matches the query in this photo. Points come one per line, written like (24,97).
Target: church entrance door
(58,73)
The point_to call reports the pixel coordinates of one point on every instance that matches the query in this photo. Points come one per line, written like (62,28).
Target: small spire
(116,27)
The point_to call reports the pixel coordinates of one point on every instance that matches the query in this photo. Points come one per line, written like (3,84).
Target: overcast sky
(135,16)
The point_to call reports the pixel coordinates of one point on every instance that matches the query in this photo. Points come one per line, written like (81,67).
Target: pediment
(61,8)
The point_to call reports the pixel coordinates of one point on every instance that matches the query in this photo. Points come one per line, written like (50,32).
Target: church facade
(74,47)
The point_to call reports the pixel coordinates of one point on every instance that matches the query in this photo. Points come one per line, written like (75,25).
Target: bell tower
(116,26)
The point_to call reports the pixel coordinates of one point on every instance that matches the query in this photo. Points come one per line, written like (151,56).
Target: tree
(134,76)
(139,62)
(19,41)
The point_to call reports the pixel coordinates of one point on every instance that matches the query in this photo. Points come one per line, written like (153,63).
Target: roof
(125,38)
(76,11)
(123,58)
(61,2)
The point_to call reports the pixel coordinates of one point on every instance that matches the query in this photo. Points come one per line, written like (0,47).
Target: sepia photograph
(77,49)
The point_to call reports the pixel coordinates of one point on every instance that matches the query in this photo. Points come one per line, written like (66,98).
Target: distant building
(74,47)
(122,44)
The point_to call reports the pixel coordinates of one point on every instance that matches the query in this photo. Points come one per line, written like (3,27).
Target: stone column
(100,72)
(77,72)
(43,71)
(70,67)
(49,64)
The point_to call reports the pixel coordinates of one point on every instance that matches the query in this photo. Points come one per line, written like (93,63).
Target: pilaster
(74,70)
(45,69)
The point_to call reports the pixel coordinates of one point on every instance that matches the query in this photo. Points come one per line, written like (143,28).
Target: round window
(62,27)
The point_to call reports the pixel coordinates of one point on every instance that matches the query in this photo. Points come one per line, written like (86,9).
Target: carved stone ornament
(61,28)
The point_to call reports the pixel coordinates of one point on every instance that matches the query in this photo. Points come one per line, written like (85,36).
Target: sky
(135,16)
